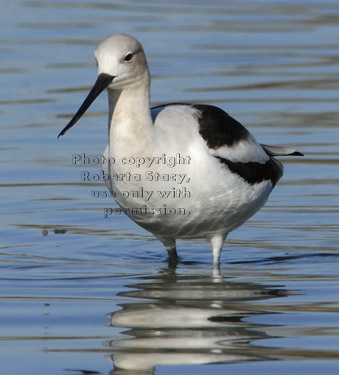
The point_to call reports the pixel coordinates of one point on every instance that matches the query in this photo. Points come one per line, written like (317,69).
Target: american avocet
(193,171)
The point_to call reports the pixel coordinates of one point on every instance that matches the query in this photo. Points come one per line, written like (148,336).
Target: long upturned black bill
(100,85)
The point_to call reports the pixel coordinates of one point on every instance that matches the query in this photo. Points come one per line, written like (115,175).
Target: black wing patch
(253,172)
(218,128)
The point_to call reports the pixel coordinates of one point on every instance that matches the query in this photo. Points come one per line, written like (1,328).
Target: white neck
(130,124)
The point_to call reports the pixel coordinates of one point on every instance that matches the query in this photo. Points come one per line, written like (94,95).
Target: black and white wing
(233,145)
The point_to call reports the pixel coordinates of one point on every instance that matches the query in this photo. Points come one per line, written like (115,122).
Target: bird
(179,170)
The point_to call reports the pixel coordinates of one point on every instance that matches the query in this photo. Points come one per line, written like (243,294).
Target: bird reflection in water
(187,319)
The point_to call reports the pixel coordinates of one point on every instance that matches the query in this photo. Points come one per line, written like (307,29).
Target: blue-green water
(79,291)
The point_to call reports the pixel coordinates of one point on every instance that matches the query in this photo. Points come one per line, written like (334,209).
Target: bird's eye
(128,57)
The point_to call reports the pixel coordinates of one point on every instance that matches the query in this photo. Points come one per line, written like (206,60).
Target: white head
(122,57)
(121,65)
